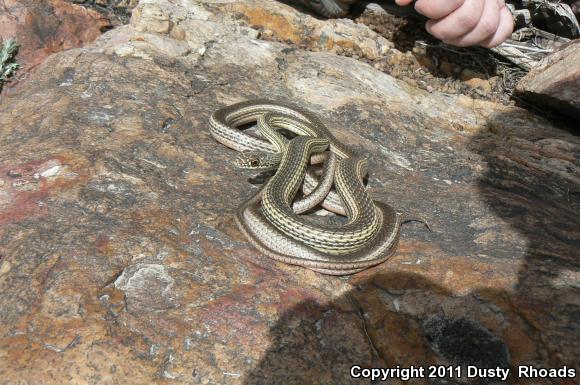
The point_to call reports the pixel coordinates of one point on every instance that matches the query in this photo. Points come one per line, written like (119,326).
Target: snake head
(257,160)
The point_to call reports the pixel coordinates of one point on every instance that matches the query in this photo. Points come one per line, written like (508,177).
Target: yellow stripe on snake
(270,218)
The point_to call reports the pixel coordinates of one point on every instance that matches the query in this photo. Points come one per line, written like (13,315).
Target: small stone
(267,34)
(52,171)
(151,18)
(468,74)
(481,84)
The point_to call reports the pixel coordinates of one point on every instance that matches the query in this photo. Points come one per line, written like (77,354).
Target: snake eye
(254,163)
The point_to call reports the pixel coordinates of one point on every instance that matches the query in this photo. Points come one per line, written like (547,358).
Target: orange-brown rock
(120,259)
(42,28)
(555,81)
(283,23)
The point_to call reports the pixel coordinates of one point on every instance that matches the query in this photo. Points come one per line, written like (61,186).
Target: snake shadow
(401,318)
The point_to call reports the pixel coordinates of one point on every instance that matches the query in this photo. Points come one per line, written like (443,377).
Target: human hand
(463,23)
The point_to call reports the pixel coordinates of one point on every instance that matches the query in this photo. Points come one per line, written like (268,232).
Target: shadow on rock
(402,318)
(387,320)
(531,184)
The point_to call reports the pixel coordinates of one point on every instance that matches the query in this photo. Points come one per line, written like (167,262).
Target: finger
(504,31)
(485,28)
(437,9)
(403,3)
(458,23)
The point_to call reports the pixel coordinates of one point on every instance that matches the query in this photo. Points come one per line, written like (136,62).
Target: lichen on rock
(8,50)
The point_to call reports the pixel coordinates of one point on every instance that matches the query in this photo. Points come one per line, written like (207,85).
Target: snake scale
(270,219)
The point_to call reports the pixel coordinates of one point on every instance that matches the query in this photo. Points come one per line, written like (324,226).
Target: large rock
(281,22)
(42,28)
(555,81)
(120,260)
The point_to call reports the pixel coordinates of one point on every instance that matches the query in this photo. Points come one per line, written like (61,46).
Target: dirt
(425,62)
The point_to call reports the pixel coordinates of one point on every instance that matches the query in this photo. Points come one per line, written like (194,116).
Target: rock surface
(45,27)
(390,38)
(555,81)
(120,261)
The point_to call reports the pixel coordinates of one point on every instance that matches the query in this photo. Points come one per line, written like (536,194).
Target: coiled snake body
(270,218)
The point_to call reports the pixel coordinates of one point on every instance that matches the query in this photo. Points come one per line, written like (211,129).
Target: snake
(260,154)
(370,236)
(276,245)
(281,189)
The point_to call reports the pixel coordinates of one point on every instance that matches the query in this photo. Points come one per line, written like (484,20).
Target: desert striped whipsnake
(370,235)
